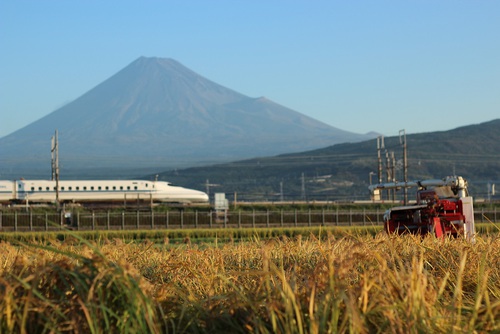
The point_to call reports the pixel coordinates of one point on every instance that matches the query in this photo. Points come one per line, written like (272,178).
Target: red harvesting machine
(443,208)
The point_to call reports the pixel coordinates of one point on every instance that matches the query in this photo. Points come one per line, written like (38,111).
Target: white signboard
(221,202)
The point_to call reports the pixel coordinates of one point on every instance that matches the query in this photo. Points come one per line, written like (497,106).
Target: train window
(77,188)
(121,188)
(62,188)
(128,188)
(70,188)
(47,188)
(107,188)
(99,188)
(32,188)
(135,187)
(39,188)
(146,185)
(92,188)
(114,188)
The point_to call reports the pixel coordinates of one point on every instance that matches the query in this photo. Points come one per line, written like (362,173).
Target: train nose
(203,197)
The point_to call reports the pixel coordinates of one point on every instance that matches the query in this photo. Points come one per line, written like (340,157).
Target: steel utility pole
(380,146)
(393,173)
(402,141)
(303,187)
(55,164)
(208,185)
(388,171)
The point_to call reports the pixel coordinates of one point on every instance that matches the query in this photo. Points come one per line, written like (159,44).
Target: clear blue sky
(425,65)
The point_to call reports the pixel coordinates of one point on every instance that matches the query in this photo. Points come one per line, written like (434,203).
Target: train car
(46,191)
(7,191)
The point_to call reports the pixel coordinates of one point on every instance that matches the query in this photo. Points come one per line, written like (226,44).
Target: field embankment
(302,283)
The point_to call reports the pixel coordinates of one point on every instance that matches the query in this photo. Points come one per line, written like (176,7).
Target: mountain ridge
(342,172)
(157,110)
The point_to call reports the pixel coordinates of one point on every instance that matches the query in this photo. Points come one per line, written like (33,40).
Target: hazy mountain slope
(156,112)
(342,171)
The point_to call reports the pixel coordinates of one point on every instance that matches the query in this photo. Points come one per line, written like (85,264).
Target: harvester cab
(442,208)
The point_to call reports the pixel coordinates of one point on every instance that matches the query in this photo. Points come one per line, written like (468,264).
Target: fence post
(253,218)
(196,218)
(15,221)
(182,219)
(295,221)
(350,217)
(137,223)
(93,220)
(152,218)
(123,220)
(239,218)
(323,217)
(168,218)
(309,218)
(267,218)
(281,217)
(107,220)
(77,220)
(211,217)
(364,217)
(31,220)
(337,216)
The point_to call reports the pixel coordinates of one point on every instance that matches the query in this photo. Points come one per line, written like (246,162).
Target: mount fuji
(158,114)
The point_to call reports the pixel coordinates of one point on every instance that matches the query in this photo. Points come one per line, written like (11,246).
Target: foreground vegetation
(292,283)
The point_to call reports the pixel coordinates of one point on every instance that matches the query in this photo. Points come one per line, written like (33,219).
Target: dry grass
(357,284)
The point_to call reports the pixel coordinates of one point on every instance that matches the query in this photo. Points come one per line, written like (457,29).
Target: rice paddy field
(282,281)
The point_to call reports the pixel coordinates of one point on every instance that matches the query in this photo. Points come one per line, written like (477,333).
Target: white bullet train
(44,191)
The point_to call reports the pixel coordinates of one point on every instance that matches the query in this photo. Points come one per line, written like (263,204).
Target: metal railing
(126,220)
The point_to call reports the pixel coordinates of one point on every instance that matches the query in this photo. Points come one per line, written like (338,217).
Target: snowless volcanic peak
(157,112)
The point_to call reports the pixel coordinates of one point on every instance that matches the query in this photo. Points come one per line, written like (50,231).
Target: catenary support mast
(55,164)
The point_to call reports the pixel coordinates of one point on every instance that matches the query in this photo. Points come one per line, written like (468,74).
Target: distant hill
(342,171)
(158,113)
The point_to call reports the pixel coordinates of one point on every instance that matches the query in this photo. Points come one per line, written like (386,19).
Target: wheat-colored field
(303,284)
